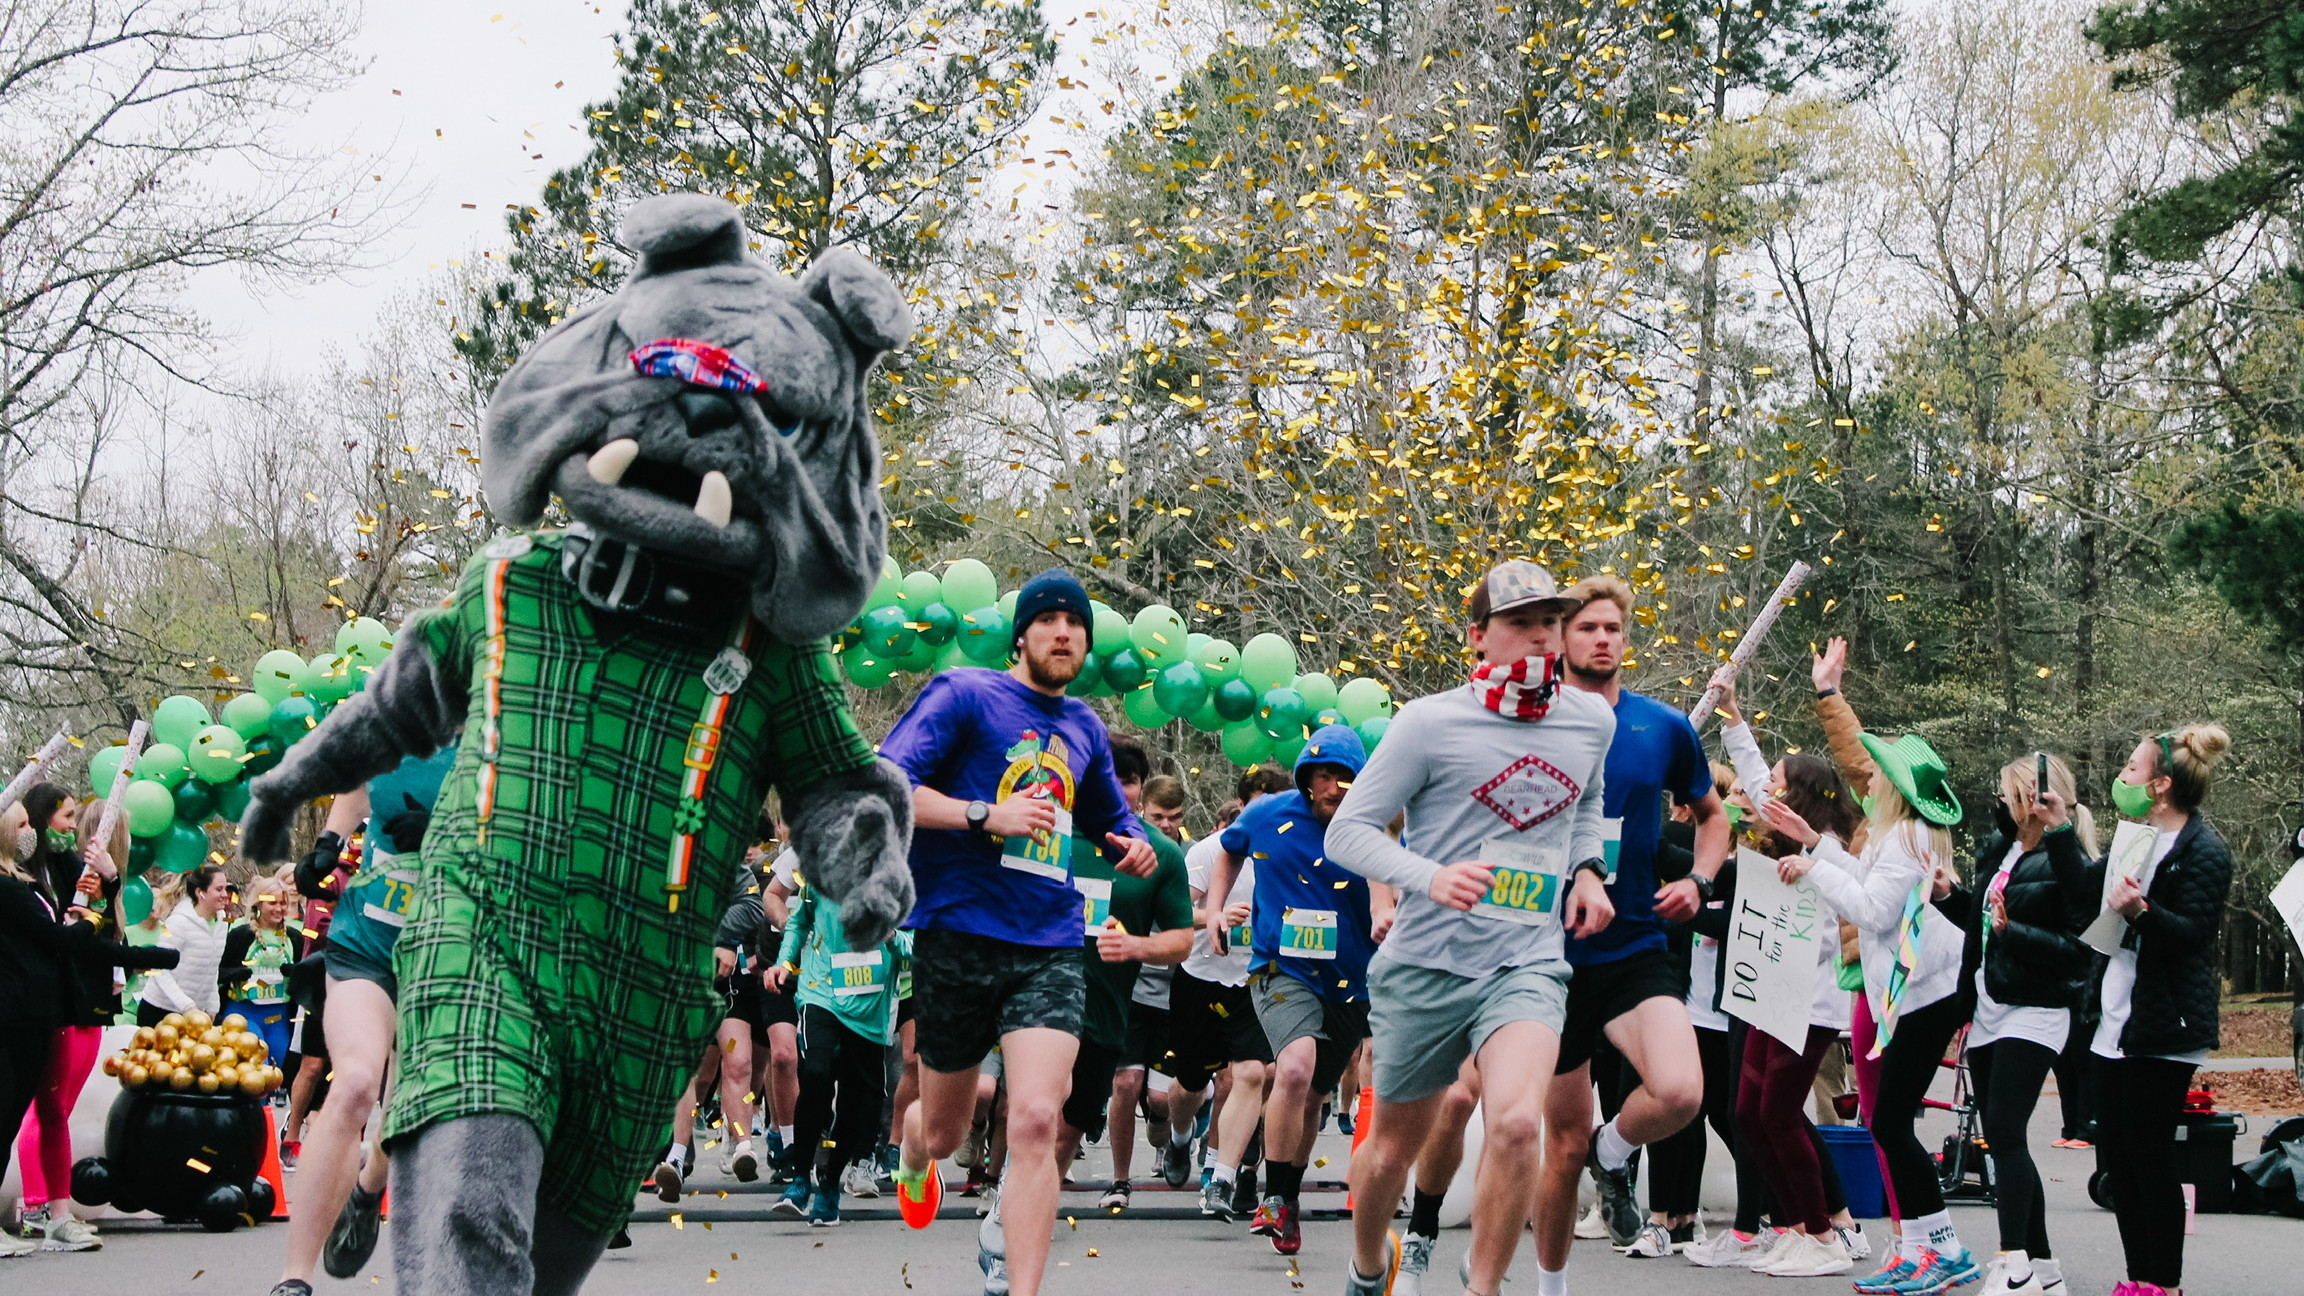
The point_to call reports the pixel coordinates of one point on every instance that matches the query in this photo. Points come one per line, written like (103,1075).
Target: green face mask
(60,842)
(2131,799)
(1735,816)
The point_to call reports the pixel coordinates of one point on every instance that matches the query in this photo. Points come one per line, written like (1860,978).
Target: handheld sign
(2131,850)
(1777,937)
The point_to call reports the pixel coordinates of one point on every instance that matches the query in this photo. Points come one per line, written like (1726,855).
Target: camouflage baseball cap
(1515,583)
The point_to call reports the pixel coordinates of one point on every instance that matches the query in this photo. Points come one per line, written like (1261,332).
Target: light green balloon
(249,714)
(176,719)
(951,655)
(275,675)
(922,656)
(970,584)
(149,807)
(919,589)
(1218,660)
(1207,719)
(1110,629)
(364,639)
(1007,604)
(103,767)
(1285,751)
(1245,744)
(163,763)
(1159,634)
(864,671)
(1318,689)
(331,679)
(216,752)
(1267,663)
(1143,708)
(1193,643)
(1362,700)
(891,583)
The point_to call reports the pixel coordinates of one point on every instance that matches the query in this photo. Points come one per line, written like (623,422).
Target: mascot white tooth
(624,693)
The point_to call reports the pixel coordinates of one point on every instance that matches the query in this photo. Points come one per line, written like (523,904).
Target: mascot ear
(863,299)
(682,232)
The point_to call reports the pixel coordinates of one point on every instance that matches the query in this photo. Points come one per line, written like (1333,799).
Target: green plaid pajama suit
(543,971)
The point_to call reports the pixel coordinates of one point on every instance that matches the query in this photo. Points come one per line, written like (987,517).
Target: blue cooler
(1858,1163)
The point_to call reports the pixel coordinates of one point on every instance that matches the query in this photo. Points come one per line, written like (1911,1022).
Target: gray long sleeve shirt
(1478,785)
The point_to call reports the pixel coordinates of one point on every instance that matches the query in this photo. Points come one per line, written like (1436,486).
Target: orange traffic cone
(271,1170)
(1360,1123)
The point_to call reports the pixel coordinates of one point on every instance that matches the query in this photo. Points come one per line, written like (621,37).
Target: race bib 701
(1308,933)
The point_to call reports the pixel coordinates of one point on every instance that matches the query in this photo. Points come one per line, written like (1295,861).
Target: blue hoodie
(1310,916)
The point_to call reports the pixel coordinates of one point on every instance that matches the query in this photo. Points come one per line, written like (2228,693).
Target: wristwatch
(1703,887)
(978,813)
(1598,866)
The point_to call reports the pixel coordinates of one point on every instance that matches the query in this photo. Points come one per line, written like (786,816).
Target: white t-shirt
(2120,978)
(1231,968)
(2047,1027)
(1704,986)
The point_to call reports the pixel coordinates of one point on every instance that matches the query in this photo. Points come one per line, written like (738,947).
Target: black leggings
(2008,1078)
(1907,1067)
(2138,1101)
(23,1069)
(838,1068)
(2076,1082)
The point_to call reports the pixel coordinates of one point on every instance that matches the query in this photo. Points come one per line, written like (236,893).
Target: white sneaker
(1415,1262)
(1853,1241)
(1727,1249)
(65,1233)
(859,1181)
(12,1246)
(2050,1275)
(1779,1246)
(741,1162)
(1591,1225)
(2001,1276)
(1808,1257)
(1654,1241)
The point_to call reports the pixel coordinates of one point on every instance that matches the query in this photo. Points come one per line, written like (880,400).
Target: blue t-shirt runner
(1656,753)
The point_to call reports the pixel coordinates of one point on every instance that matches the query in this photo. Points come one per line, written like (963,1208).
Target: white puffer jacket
(192,982)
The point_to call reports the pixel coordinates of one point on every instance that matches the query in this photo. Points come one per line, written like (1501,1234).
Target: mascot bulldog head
(710,415)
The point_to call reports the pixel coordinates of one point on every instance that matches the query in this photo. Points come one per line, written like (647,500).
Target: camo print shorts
(968,991)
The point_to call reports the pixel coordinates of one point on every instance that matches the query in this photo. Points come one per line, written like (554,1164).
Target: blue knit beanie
(1054,590)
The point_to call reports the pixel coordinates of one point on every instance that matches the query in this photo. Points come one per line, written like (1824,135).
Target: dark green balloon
(180,848)
(263,754)
(1126,671)
(139,855)
(293,718)
(195,801)
(1235,700)
(232,799)
(888,632)
(1180,688)
(1281,714)
(1090,679)
(937,624)
(1330,716)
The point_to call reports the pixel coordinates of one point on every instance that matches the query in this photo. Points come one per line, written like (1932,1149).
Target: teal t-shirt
(376,900)
(858,987)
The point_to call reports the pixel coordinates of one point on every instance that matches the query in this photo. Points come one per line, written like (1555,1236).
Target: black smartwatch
(1597,865)
(1703,887)
(978,813)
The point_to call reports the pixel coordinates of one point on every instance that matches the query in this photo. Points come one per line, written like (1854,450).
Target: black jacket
(39,955)
(2038,960)
(2174,1009)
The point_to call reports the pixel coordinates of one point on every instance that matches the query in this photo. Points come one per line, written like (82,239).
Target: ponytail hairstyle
(167,892)
(1893,815)
(2017,778)
(2188,757)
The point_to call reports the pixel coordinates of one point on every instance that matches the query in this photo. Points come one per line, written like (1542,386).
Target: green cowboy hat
(1918,772)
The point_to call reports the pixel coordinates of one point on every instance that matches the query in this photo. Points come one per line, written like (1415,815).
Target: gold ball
(181,1078)
(135,1076)
(235,1022)
(208,1083)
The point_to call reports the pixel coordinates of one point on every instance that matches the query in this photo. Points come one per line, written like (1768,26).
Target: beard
(1588,674)
(1053,672)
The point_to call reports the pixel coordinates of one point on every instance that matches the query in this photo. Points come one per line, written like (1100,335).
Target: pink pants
(44,1144)
(1862,1031)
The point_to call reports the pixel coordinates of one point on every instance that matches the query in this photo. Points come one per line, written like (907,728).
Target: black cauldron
(183,1156)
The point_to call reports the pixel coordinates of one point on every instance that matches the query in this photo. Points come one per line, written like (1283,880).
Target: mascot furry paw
(624,692)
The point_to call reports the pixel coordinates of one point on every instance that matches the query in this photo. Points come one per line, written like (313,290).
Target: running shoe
(794,1203)
(1415,1262)
(1381,1284)
(1853,1241)
(1654,1242)
(742,1162)
(353,1238)
(919,1200)
(2011,1273)
(1344,1126)
(1176,1164)
(1728,1249)
(1937,1273)
(1464,1273)
(971,1152)
(1216,1200)
(285,1287)
(977,1181)
(1619,1214)
(2050,1274)
(12,1246)
(64,1233)
(1266,1221)
(783,1162)
(289,1151)
(859,1181)
(1288,1239)
(1589,1225)
(1808,1257)
(824,1211)
(1781,1244)
(1115,1199)
(32,1222)
(992,1249)
(667,1180)
(1687,1235)
(1885,1280)
(621,1242)
(1244,1199)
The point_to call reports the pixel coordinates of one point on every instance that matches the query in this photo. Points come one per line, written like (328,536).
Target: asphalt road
(1161,1249)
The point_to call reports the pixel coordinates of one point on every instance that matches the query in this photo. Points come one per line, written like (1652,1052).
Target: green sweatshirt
(859,989)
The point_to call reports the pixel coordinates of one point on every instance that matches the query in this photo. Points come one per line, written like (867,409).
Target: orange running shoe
(918,1205)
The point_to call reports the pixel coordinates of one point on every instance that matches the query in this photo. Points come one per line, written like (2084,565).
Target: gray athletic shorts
(1290,1010)
(1426,1022)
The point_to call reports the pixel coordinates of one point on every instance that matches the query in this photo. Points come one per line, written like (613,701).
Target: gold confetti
(1320,1163)
(199,1166)
(1092,1250)
(711,1275)
(679,1221)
